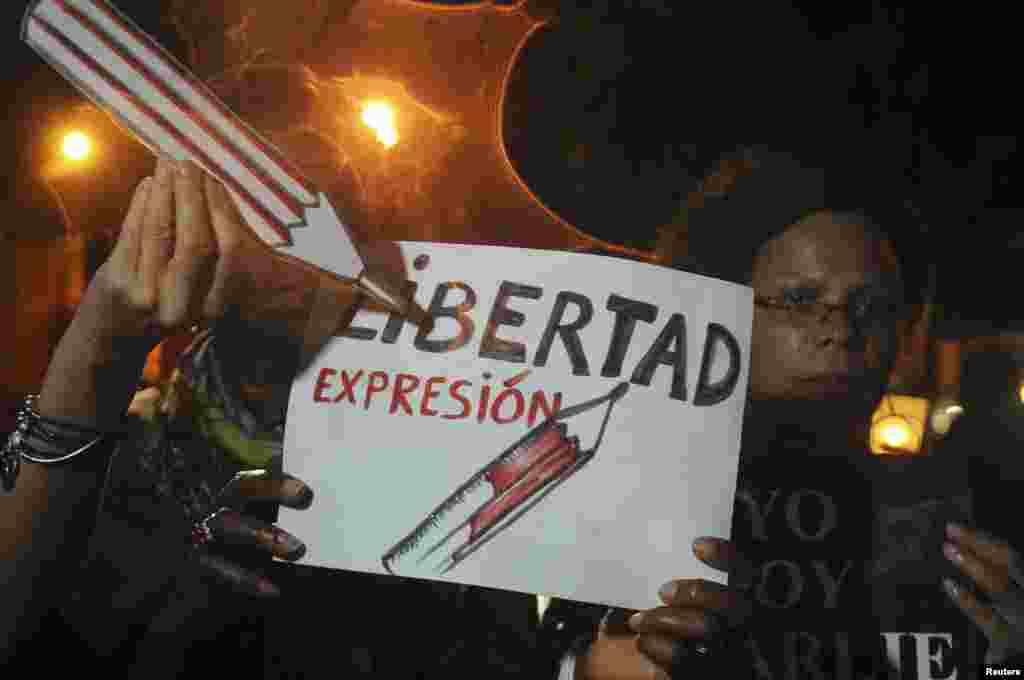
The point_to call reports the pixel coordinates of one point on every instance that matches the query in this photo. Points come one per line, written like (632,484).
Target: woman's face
(825,356)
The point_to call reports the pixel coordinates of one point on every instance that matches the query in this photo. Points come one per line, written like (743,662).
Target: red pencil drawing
(520,477)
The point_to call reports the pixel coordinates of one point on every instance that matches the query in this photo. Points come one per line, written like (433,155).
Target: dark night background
(618,107)
(616,110)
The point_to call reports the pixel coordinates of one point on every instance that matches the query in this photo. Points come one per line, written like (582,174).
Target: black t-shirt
(848,561)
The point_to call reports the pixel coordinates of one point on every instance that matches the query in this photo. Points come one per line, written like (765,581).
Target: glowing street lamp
(380,117)
(70,151)
(76,146)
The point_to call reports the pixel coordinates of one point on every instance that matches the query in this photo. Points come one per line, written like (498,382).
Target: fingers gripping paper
(569,426)
(125,72)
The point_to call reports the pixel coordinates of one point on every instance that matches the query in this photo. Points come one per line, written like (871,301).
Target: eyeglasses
(864,309)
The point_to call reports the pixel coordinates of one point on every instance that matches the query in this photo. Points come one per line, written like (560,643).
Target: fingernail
(951,588)
(304,500)
(183,168)
(265,587)
(299,495)
(287,541)
(702,548)
(954,531)
(636,620)
(667,591)
(952,553)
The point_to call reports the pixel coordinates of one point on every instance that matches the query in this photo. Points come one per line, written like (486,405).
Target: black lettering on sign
(673,334)
(458,312)
(709,394)
(395,322)
(356,332)
(569,333)
(627,313)
(493,347)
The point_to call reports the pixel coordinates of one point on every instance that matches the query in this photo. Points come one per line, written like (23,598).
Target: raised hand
(995,568)
(184,256)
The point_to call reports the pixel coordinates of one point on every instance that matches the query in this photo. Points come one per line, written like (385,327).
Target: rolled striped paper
(142,86)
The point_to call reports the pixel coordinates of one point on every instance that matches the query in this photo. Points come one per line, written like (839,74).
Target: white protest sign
(433,456)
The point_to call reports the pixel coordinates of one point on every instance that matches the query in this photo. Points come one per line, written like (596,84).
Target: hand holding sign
(684,638)
(683,634)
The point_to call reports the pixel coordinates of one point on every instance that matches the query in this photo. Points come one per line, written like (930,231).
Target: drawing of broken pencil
(520,477)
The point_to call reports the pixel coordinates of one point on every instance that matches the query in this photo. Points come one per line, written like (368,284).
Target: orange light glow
(895,433)
(898,425)
(435,168)
(76,146)
(380,117)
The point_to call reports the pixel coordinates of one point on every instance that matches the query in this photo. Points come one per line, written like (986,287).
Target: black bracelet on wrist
(56,425)
(46,441)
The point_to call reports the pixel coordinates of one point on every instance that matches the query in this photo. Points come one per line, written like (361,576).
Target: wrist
(96,366)
(110,323)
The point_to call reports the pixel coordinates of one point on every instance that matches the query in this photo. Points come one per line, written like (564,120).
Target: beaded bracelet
(46,441)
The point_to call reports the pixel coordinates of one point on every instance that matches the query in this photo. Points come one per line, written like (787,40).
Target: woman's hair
(726,234)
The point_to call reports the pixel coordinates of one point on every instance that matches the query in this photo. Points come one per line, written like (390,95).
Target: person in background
(841,564)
